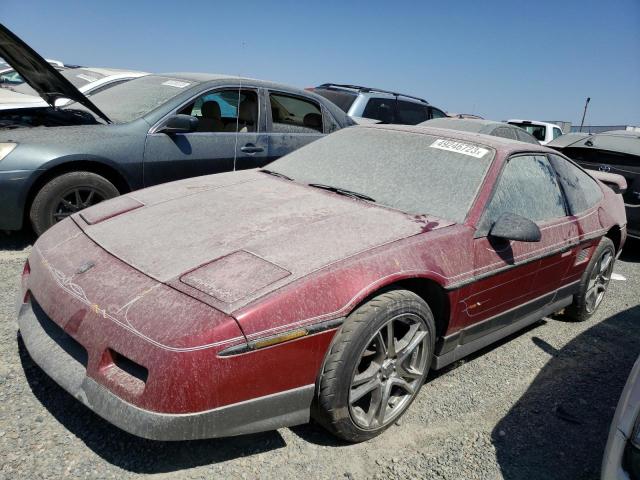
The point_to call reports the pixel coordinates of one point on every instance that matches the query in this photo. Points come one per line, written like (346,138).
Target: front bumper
(14,186)
(61,358)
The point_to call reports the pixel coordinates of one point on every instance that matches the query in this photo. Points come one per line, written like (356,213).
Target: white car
(8,76)
(86,80)
(544,132)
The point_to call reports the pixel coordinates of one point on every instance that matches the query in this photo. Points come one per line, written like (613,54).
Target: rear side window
(436,113)
(582,191)
(527,187)
(380,109)
(505,132)
(556,132)
(342,99)
(291,114)
(409,113)
(525,137)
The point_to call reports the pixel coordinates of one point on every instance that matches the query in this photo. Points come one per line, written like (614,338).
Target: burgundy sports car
(326,286)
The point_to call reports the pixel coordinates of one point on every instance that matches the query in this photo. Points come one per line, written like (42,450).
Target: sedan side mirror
(180,124)
(510,226)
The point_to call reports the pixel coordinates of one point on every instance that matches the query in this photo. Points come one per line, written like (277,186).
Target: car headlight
(6,148)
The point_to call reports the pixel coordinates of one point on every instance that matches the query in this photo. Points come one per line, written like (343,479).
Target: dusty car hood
(39,74)
(233,237)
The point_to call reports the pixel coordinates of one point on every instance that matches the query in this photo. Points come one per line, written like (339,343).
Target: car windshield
(134,99)
(538,131)
(411,172)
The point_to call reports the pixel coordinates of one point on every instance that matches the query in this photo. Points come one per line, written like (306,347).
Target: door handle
(251,148)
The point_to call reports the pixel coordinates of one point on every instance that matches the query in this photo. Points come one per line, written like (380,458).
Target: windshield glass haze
(134,99)
(404,171)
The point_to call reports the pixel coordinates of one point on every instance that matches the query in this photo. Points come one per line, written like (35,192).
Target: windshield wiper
(276,174)
(342,191)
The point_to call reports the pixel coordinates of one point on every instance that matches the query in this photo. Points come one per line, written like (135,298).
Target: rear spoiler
(616,182)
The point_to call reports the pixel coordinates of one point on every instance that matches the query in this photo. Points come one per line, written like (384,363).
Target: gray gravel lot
(537,405)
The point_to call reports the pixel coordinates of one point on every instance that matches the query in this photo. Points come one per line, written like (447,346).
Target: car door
(513,278)
(292,122)
(216,146)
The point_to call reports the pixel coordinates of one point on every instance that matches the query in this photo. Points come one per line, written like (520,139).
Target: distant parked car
(9,77)
(488,127)
(382,105)
(621,459)
(146,131)
(21,106)
(543,131)
(617,152)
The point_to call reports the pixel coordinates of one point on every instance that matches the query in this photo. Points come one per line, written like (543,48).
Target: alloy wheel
(75,200)
(598,281)
(389,372)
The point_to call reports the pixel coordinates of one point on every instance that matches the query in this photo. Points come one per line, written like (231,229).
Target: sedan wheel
(67,194)
(594,282)
(376,365)
(599,281)
(75,200)
(389,372)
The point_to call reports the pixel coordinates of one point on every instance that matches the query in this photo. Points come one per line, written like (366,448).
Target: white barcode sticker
(460,147)
(176,83)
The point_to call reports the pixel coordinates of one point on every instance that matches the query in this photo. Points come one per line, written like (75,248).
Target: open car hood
(39,74)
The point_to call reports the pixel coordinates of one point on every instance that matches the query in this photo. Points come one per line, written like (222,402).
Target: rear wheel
(594,282)
(67,194)
(376,366)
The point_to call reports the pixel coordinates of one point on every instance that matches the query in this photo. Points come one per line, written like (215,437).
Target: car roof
(467,124)
(371,92)
(504,146)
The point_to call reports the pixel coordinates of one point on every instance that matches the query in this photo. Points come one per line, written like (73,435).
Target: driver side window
(229,110)
(528,187)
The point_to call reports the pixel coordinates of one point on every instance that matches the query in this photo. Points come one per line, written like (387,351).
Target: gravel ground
(537,405)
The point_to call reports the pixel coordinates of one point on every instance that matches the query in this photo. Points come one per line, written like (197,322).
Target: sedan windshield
(411,172)
(134,99)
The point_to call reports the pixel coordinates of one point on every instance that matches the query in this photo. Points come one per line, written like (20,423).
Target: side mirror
(180,124)
(510,226)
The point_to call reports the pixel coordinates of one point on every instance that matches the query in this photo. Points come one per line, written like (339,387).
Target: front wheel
(67,194)
(376,365)
(594,282)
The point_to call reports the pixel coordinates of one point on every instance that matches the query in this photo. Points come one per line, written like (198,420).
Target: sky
(497,58)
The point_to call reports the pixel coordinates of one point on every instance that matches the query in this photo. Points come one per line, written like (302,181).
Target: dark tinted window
(409,113)
(411,172)
(291,114)
(380,109)
(436,113)
(342,99)
(581,190)
(527,187)
(538,131)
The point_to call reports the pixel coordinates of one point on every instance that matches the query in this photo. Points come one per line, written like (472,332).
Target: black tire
(355,343)
(581,308)
(49,207)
